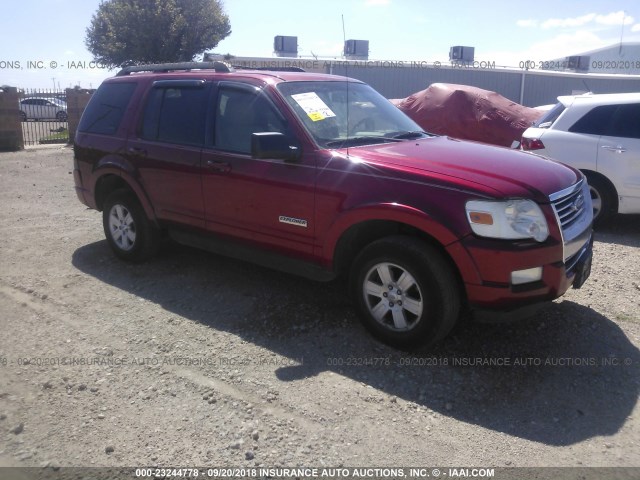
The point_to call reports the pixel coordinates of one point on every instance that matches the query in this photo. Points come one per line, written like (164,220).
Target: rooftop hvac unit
(356,49)
(285,46)
(578,62)
(461,54)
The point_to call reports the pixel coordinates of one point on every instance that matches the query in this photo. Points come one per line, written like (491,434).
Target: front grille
(574,214)
(569,205)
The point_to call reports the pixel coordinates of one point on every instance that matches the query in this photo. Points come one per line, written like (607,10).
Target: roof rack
(271,69)
(167,67)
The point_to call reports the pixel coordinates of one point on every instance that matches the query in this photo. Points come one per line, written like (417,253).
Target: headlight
(510,219)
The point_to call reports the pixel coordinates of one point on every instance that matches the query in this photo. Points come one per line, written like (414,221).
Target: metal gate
(44,117)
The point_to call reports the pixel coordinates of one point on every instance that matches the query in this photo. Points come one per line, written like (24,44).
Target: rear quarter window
(596,121)
(106,108)
(549,118)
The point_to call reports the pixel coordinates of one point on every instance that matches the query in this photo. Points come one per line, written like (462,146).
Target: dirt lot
(194,359)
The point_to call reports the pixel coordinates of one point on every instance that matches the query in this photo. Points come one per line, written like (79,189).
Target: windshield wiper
(352,141)
(410,135)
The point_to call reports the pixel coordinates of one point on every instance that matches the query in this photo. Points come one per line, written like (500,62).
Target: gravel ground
(195,359)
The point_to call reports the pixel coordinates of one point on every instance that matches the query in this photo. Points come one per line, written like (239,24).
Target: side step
(245,253)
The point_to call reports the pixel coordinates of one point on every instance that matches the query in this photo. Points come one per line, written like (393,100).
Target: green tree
(131,32)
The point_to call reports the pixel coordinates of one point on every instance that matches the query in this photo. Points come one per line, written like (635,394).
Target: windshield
(342,114)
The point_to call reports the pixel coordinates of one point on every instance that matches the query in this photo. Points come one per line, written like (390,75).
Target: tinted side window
(596,121)
(240,113)
(176,115)
(152,114)
(626,122)
(106,108)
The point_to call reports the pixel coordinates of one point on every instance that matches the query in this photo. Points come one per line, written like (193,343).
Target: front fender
(394,212)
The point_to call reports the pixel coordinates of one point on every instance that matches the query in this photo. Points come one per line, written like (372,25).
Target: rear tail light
(532,144)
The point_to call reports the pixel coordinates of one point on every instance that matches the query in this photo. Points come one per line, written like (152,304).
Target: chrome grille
(569,205)
(574,214)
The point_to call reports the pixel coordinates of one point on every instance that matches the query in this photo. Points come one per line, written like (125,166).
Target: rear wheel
(130,234)
(61,116)
(603,198)
(405,292)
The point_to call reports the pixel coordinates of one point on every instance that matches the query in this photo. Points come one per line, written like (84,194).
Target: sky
(42,41)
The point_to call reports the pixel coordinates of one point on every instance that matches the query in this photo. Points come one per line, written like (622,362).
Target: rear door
(264,201)
(578,146)
(619,155)
(44,109)
(168,147)
(51,109)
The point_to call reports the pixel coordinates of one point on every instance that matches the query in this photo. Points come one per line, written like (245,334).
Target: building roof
(616,46)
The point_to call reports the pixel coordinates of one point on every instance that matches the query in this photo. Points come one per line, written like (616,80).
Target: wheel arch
(376,224)
(111,181)
(593,174)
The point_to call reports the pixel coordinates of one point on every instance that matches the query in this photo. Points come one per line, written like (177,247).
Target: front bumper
(557,278)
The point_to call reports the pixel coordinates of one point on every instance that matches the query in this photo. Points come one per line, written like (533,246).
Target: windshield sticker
(313,106)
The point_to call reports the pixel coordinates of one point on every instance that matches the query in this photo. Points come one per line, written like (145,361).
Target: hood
(498,172)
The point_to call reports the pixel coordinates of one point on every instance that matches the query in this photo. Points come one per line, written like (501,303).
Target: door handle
(222,167)
(141,152)
(617,149)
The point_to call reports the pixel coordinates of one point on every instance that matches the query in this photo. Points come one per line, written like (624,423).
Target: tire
(23,116)
(604,199)
(62,116)
(130,234)
(419,285)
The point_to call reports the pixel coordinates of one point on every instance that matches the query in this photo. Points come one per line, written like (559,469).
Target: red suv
(321,176)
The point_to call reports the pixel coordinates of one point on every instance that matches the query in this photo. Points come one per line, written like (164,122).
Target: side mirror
(274,145)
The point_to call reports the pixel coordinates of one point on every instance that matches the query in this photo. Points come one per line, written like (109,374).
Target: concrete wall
(10,122)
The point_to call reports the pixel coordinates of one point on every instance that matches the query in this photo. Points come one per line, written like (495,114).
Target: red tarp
(468,113)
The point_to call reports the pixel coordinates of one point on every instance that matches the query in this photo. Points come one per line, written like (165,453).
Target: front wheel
(130,234)
(603,198)
(405,292)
